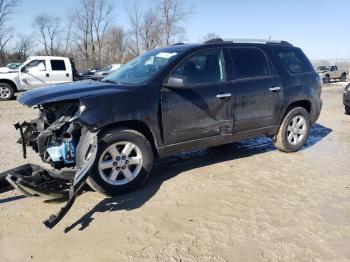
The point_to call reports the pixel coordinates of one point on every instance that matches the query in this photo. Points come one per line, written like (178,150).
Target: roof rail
(264,41)
(178,44)
(214,41)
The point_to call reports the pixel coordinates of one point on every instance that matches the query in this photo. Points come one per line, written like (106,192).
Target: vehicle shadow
(172,166)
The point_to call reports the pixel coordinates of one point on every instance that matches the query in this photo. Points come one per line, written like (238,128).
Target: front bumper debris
(35,181)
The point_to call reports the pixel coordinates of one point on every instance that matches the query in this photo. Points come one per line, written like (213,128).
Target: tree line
(89,32)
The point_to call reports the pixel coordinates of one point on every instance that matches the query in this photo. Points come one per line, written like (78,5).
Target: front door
(257,90)
(34,74)
(202,109)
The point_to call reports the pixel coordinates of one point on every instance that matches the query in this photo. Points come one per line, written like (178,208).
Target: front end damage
(62,142)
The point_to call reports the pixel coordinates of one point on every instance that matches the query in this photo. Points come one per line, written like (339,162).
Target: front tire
(123,163)
(6,92)
(343,77)
(294,130)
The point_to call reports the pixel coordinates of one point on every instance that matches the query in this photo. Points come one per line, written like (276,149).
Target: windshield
(13,66)
(142,68)
(323,68)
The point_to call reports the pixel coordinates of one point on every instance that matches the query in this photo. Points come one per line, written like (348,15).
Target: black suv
(178,98)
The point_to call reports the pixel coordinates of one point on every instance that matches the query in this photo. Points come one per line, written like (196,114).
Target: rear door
(61,71)
(202,109)
(257,90)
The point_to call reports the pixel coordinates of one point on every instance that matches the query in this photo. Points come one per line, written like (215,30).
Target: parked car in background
(346,99)
(35,72)
(10,67)
(178,98)
(106,71)
(86,74)
(332,72)
(100,73)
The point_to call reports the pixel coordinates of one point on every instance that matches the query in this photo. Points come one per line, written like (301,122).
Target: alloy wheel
(120,163)
(297,130)
(5,92)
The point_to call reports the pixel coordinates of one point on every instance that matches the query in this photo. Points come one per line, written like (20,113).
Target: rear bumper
(316,111)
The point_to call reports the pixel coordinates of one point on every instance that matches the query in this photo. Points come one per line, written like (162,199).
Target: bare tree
(134,17)
(49,29)
(173,14)
(67,35)
(90,21)
(115,45)
(150,30)
(24,46)
(6,9)
(210,36)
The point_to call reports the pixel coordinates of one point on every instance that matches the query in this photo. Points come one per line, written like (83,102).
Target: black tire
(343,77)
(109,138)
(9,92)
(347,110)
(281,139)
(326,79)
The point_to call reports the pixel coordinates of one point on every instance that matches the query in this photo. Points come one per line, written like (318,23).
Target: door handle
(47,75)
(67,74)
(275,89)
(223,95)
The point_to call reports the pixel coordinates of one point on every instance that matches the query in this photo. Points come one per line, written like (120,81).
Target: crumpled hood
(70,91)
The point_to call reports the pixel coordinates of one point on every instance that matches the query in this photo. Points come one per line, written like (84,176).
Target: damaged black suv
(178,98)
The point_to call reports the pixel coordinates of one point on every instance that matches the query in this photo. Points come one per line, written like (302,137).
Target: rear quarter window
(294,60)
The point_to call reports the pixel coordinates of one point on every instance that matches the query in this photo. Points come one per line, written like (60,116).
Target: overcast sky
(321,28)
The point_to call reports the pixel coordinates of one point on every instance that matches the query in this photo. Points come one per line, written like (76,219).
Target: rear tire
(347,110)
(294,130)
(6,92)
(123,162)
(326,79)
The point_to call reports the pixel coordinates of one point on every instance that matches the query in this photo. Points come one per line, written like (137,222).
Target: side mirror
(24,70)
(177,82)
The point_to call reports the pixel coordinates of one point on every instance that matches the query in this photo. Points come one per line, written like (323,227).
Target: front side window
(143,68)
(36,65)
(58,65)
(249,62)
(204,67)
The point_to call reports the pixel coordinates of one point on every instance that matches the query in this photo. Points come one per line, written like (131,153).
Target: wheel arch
(136,125)
(10,82)
(306,104)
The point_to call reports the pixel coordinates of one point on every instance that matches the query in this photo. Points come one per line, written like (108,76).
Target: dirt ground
(241,202)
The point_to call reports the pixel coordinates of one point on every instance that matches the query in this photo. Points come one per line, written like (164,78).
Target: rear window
(249,62)
(58,65)
(294,59)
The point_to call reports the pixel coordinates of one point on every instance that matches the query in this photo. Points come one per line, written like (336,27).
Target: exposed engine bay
(54,135)
(61,142)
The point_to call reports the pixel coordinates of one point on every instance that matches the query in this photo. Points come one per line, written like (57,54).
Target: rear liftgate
(36,181)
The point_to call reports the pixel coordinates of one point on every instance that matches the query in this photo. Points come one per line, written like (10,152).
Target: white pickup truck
(37,71)
(330,72)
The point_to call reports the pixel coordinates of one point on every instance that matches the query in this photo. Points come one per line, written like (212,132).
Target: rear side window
(294,59)
(249,62)
(58,65)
